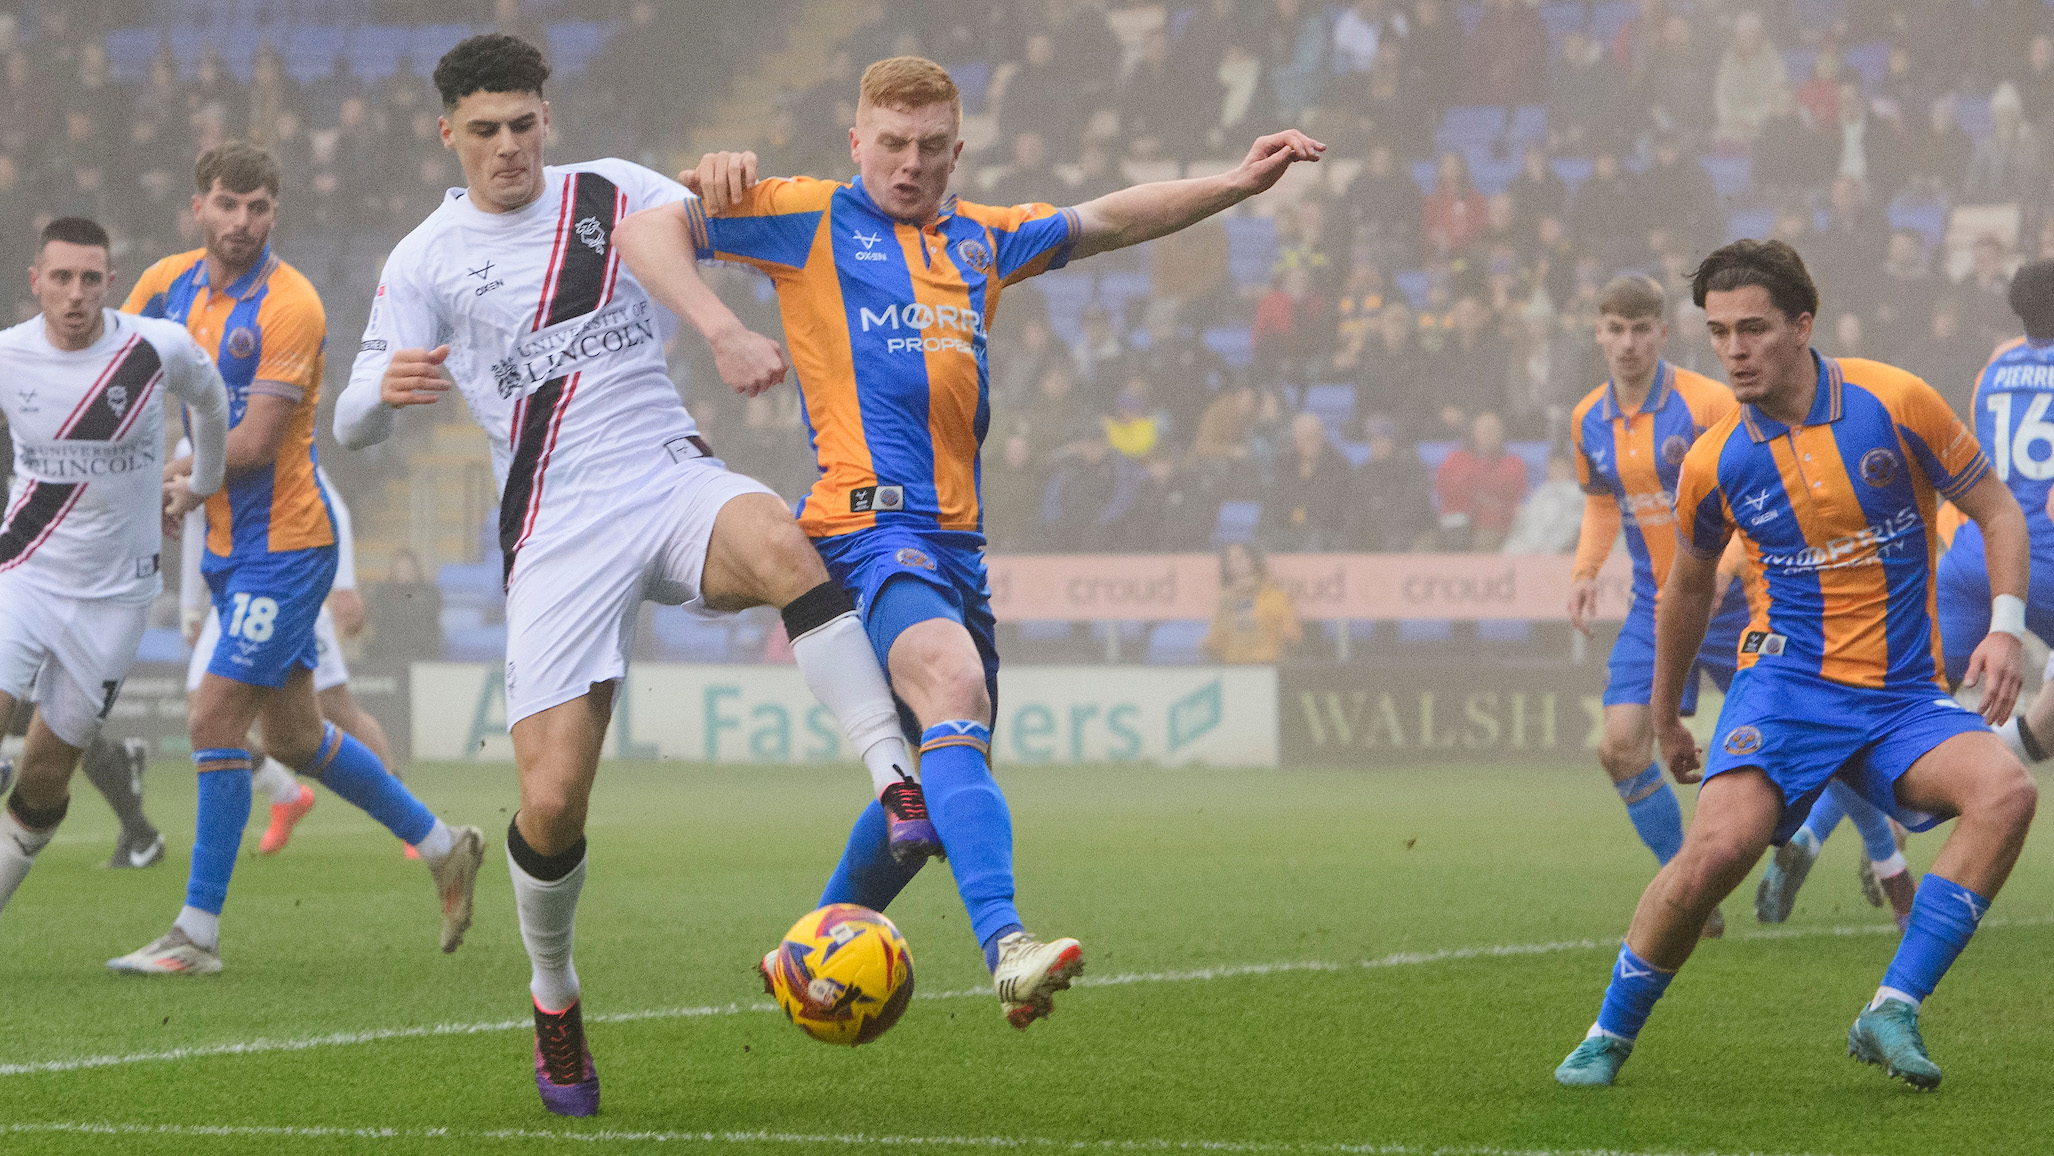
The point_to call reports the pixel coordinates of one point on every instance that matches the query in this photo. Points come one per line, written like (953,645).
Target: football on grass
(843,974)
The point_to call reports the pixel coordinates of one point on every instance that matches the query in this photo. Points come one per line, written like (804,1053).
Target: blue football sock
(991,944)
(1652,807)
(224,810)
(1825,815)
(348,768)
(1876,837)
(1943,916)
(970,815)
(1636,985)
(868,875)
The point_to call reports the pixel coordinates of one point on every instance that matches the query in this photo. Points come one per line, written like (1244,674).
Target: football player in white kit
(90,502)
(512,292)
(290,798)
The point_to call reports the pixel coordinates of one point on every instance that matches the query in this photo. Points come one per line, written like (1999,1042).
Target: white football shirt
(84,512)
(556,348)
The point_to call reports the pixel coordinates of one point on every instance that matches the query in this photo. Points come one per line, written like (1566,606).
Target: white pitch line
(1192,975)
(845,1139)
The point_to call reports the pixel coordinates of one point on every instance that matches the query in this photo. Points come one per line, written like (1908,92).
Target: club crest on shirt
(908,556)
(1743,740)
(1879,467)
(594,237)
(117,399)
(975,254)
(242,341)
(1673,449)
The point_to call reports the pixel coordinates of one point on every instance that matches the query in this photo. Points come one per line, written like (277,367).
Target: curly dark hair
(2032,298)
(1772,265)
(490,62)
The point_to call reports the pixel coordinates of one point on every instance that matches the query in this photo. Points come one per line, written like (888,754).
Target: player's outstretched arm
(657,245)
(194,380)
(1996,664)
(1682,615)
(1145,212)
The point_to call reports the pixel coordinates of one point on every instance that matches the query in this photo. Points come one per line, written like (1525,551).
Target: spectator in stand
(1986,309)
(1056,418)
(1454,214)
(1849,339)
(405,612)
(1583,92)
(2006,163)
(1305,506)
(2036,86)
(1480,487)
(1904,297)
(1470,370)
(1355,315)
(1169,512)
(1042,96)
(1030,177)
(1843,257)
(1682,196)
(1281,317)
(1164,100)
(1859,145)
(1390,371)
(1020,354)
(1551,518)
(1099,350)
(1084,482)
(1537,191)
(1545,373)
(1133,427)
(1790,156)
(1818,96)
(1608,215)
(1384,203)
(1296,56)
(1751,83)
(1950,358)
(1390,502)
(1671,79)
(1255,623)
(1011,492)
(1433,53)
(1938,152)
(1508,55)
(1362,28)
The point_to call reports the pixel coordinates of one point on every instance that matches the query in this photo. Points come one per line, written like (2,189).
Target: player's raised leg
(115,768)
(1973,777)
(1736,812)
(1883,865)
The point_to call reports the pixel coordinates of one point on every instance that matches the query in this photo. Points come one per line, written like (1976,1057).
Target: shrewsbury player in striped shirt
(269,561)
(1631,434)
(887,286)
(1830,472)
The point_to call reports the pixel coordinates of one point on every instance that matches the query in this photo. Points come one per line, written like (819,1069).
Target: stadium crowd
(1385,361)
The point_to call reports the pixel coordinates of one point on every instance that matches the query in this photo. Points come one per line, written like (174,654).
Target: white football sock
(18,849)
(202,927)
(842,672)
(436,845)
(1890,993)
(276,781)
(1889,868)
(549,913)
(2009,733)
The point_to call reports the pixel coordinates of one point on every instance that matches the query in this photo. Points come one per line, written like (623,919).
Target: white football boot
(1030,972)
(456,878)
(173,953)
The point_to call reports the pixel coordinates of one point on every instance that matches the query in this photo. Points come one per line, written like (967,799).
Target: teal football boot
(1888,1037)
(1784,875)
(1594,1063)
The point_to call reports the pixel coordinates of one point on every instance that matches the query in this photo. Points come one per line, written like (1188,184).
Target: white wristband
(2007,616)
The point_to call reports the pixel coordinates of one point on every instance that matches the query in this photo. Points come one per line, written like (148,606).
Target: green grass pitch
(696,871)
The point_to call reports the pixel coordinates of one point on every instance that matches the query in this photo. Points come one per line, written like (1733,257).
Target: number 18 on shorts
(266,606)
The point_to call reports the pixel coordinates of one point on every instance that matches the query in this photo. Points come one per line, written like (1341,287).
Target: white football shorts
(329,669)
(573,601)
(73,652)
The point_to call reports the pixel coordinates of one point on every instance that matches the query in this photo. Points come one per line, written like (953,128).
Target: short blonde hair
(909,82)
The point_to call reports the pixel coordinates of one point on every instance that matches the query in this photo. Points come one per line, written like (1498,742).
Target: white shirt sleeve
(190,375)
(345,537)
(403,316)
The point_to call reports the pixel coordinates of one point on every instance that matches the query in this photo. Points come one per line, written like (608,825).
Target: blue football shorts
(266,605)
(1630,674)
(1803,730)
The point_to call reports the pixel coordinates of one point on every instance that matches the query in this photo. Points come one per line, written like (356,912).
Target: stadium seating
(1236,523)
(1333,405)
(682,636)
(1175,643)
(1251,249)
